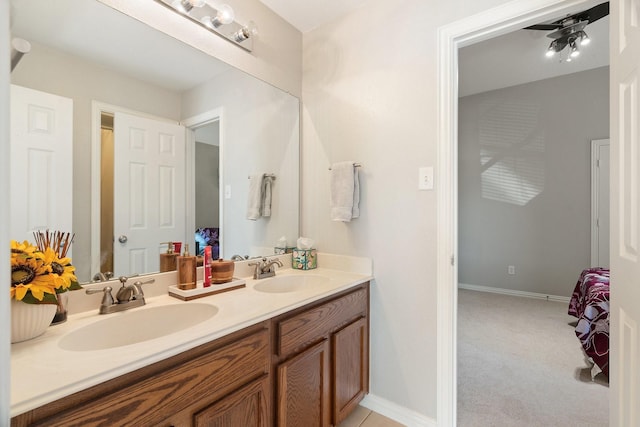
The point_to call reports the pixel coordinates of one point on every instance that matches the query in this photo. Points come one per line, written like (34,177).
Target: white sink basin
(282,284)
(135,326)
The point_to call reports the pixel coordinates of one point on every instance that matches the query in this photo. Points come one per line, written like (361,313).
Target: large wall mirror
(125,80)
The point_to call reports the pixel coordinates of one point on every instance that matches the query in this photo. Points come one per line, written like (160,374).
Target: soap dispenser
(168,260)
(187,274)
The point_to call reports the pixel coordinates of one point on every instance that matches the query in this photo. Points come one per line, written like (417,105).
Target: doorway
(498,21)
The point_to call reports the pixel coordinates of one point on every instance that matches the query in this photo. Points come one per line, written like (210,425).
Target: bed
(590,305)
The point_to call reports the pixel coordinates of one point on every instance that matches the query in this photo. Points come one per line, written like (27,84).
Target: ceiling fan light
(585,40)
(550,52)
(575,53)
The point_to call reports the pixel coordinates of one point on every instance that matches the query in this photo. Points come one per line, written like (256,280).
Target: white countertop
(42,372)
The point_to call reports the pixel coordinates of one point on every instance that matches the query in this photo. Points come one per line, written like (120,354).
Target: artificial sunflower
(32,280)
(62,270)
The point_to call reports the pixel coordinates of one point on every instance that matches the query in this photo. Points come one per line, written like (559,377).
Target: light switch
(425,178)
(227,191)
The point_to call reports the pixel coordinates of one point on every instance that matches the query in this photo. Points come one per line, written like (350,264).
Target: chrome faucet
(265,268)
(102,277)
(128,296)
(239,258)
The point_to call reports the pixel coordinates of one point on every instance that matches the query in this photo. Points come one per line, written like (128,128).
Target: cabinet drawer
(155,398)
(317,322)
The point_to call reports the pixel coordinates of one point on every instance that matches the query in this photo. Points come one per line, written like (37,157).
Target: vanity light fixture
(217,19)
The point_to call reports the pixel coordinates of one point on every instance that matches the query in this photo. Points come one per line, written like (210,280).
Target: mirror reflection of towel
(267,182)
(255,197)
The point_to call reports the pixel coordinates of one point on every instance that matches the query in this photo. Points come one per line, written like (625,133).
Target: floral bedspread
(590,304)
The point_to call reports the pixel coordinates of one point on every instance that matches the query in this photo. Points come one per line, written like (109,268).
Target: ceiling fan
(569,31)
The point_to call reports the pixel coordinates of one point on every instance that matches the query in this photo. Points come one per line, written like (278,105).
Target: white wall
(73,77)
(525,181)
(369,94)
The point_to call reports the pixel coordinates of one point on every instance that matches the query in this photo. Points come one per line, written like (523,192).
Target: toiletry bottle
(206,282)
(187,270)
(168,260)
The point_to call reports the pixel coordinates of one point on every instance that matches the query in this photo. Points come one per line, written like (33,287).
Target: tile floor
(363,417)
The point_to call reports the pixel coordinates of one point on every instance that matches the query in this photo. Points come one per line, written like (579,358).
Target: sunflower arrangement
(40,272)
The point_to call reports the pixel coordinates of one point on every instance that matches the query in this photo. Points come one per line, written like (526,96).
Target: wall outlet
(511,270)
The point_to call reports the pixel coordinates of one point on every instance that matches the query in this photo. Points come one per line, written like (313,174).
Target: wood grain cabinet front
(322,360)
(175,391)
(318,353)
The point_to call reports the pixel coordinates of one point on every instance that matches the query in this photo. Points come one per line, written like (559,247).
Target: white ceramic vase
(30,320)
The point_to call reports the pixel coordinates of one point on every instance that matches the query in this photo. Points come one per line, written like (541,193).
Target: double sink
(139,325)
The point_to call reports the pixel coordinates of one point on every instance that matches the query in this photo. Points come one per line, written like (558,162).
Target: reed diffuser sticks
(59,241)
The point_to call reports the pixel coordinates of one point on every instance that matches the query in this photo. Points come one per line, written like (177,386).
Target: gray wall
(524,181)
(207,185)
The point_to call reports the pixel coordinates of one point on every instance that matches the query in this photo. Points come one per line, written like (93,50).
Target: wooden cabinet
(303,388)
(322,360)
(319,356)
(178,391)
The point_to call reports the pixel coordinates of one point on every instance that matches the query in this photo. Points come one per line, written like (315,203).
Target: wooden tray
(200,291)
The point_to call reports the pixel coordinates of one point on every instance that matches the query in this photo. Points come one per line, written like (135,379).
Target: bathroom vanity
(286,355)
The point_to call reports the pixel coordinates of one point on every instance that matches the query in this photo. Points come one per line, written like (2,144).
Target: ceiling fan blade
(595,13)
(544,27)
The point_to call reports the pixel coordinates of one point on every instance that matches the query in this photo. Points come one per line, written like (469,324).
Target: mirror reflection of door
(207,187)
(149,176)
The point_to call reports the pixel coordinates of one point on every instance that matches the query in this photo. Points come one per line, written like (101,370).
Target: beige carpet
(520,364)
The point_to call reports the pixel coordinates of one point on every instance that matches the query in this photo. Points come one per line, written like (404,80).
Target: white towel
(355,212)
(267,182)
(342,191)
(255,197)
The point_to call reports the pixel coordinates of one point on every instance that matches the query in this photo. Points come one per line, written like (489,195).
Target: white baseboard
(513,292)
(396,412)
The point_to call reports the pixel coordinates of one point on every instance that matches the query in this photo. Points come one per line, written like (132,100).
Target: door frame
(482,26)
(97,109)
(595,197)
(190,125)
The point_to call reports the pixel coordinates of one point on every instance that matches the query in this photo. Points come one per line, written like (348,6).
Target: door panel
(149,182)
(625,213)
(41,162)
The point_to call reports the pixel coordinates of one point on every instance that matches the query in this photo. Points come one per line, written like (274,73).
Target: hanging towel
(255,197)
(355,211)
(342,191)
(267,182)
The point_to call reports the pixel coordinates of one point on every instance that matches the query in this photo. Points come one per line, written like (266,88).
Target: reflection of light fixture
(224,16)
(217,19)
(248,31)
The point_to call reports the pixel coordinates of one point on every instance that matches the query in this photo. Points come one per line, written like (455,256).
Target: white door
(149,191)
(625,213)
(600,205)
(41,146)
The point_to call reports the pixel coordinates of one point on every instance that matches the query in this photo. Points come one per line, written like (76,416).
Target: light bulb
(225,14)
(249,30)
(185,6)
(585,40)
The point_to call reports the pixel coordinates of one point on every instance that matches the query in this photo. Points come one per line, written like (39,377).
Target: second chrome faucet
(265,268)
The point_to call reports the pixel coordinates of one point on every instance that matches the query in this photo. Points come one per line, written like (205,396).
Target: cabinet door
(303,389)
(350,354)
(247,407)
